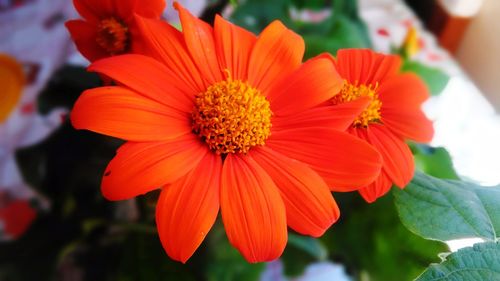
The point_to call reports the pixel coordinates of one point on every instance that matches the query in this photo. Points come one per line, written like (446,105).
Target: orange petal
(277,53)
(199,39)
(310,208)
(403,92)
(338,117)
(397,156)
(122,113)
(344,161)
(141,167)
(166,44)
(366,66)
(95,10)
(84,35)
(314,82)
(187,209)
(252,210)
(234,46)
(415,126)
(402,97)
(149,78)
(153,9)
(90,11)
(376,189)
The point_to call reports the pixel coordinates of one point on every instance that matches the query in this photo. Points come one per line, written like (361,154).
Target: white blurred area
(467,125)
(462,8)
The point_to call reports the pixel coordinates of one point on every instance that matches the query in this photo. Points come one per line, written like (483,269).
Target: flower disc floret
(231,116)
(350,92)
(113,36)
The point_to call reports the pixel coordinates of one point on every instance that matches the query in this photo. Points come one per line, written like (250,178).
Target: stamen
(231,117)
(113,36)
(354,91)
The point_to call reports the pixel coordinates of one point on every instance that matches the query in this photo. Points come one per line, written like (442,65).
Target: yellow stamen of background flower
(113,36)
(12,81)
(350,92)
(231,117)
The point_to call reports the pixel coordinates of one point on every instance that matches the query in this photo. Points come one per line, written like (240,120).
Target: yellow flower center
(231,117)
(350,92)
(113,36)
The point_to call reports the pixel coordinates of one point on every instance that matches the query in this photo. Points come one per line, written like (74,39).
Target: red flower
(393,115)
(220,118)
(108,27)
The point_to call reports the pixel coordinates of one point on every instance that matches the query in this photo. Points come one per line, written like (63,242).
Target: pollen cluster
(113,36)
(350,92)
(231,117)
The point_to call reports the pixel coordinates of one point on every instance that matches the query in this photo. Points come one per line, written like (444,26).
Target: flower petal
(166,44)
(93,10)
(403,92)
(397,156)
(141,167)
(187,209)
(252,210)
(414,126)
(310,208)
(234,46)
(84,35)
(149,78)
(402,97)
(316,81)
(277,53)
(345,162)
(199,39)
(153,9)
(122,113)
(338,117)
(376,189)
(366,66)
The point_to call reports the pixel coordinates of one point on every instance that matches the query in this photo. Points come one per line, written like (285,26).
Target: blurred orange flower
(393,115)
(12,80)
(108,27)
(222,118)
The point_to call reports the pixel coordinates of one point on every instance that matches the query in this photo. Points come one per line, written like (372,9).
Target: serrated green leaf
(435,79)
(480,262)
(448,209)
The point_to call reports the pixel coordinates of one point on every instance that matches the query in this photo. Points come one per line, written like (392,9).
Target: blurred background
(55,225)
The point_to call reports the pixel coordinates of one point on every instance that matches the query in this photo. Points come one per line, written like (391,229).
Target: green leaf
(448,209)
(434,161)
(293,258)
(435,79)
(309,245)
(480,262)
(371,242)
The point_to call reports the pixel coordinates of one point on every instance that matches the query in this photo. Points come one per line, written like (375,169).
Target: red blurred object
(16,217)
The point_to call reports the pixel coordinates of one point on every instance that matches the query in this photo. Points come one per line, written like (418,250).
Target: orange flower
(109,28)
(12,80)
(221,118)
(393,115)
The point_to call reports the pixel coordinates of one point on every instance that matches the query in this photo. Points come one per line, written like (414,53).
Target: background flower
(393,115)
